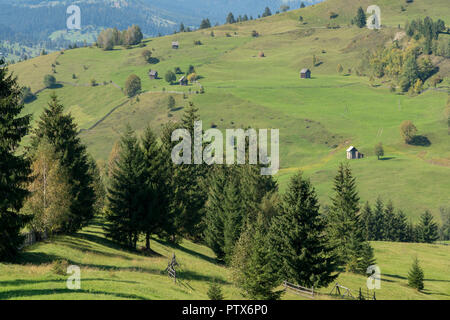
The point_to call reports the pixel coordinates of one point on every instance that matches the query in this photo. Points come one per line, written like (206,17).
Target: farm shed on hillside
(353,153)
(183,81)
(175,45)
(153,74)
(305,74)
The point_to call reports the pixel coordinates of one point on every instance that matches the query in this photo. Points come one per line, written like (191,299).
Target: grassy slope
(110,273)
(317,118)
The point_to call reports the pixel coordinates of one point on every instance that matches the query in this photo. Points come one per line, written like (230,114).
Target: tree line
(382,222)
(111,37)
(51,186)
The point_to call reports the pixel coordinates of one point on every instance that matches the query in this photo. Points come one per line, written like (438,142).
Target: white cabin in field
(353,153)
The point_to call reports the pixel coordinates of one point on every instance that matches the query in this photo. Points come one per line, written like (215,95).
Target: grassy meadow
(318,119)
(109,272)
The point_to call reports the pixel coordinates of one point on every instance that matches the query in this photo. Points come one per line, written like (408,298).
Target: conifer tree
(125,193)
(155,218)
(401,227)
(14,168)
(189,196)
(367,222)
(215,292)
(298,240)
(379,223)
(389,222)
(344,222)
(214,218)
(416,275)
(233,216)
(427,228)
(259,276)
(61,132)
(361,19)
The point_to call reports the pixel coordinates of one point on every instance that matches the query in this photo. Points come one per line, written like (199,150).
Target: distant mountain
(34,21)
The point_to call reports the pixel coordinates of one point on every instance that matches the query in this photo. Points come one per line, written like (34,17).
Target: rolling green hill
(318,118)
(107,272)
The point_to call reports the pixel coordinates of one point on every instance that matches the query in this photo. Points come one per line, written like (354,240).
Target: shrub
(60,266)
(132,85)
(49,81)
(146,54)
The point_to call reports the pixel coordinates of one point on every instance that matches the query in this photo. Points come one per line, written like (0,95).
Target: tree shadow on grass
(188,251)
(192,275)
(39,292)
(20,282)
(386,158)
(35,258)
(420,141)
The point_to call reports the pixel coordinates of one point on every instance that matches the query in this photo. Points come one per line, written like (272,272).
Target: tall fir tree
(298,238)
(126,193)
(189,196)
(253,262)
(14,168)
(214,208)
(389,222)
(401,227)
(155,218)
(233,216)
(344,223)
(379,222)
(427,228)
(61,132)
(367,222)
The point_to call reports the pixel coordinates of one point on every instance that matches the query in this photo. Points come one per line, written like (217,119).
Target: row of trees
(147,194)
(54,186)
(111,37)
(383,223)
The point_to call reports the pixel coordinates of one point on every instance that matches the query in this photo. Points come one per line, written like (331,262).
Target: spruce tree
(189,190)
(155,218)
(298,239)
(214,217)
(427,228)
(14,168)
(259,276)
(126,193)
(61,132)
(416,275)
(233,216)
(215,292)
(367,222)
(401,227)
(344,222)
(379,223)
(389,222)
(361,19)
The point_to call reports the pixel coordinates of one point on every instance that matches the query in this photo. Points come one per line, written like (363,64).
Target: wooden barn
(153,74)
(175,45)
(353,153)
(305,74)
(183,81)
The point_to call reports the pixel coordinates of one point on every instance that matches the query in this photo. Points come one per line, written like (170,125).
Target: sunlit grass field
(109,272)
(318,118)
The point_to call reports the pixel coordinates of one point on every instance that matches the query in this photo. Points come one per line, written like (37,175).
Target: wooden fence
(303,291)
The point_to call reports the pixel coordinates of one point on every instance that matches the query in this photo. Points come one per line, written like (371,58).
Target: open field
(318,118)
(108,272)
